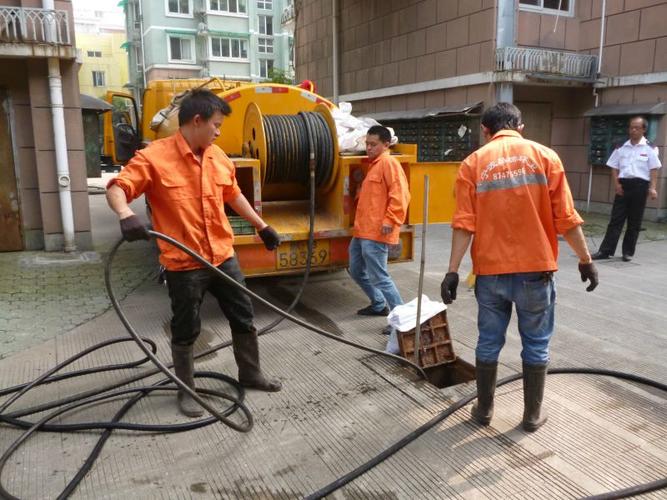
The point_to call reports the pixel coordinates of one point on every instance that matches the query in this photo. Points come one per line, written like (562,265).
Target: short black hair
(644,121)
(382,132)
(503,115)
(201,102)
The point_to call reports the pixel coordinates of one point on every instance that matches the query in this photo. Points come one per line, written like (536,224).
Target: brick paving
(45,294)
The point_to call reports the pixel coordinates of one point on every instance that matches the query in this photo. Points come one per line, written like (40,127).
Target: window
(265,4)
(231,6)
(549,6)
(265,25)
(98,78)
(265,45)
(232,48)
(94,53)
(181,49)
(136,16)
(181,8)
(138,57)
(265,68)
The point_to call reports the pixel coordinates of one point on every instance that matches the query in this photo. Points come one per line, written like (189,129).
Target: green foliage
(280,76)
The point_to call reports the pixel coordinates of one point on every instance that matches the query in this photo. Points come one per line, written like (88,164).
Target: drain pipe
(505,21)
(603,15)
(60,138)
(334,50)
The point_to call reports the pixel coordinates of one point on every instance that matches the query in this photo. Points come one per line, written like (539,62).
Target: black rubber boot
(246,353)
(184,366)
(482,409)
(533,391)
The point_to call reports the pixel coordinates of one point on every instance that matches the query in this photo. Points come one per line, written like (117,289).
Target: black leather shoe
(599,256)
(626,258)
(368,311)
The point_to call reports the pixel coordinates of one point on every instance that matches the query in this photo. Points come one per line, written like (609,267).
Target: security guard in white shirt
(635,172)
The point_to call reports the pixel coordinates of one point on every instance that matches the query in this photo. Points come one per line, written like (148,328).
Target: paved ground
(341,406)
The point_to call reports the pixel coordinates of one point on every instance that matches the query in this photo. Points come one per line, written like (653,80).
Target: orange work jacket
(513,195)
(187,198)
(383,199)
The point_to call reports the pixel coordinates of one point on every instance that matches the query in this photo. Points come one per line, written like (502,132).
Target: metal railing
(288,14)
(29,25)
(529,60)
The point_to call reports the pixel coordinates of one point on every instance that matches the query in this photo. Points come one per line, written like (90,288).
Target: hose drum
(288,144)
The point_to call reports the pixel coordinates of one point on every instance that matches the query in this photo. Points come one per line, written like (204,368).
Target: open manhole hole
(449,374)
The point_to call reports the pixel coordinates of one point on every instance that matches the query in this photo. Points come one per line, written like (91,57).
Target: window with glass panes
(265,67)
(265,4)
(232,6)
(234,48)
(180,48)
(558,6)
(98,78)
(265,45)
(181,7)
(265,25)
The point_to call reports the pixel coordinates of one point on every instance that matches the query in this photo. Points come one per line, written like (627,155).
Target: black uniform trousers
(186,291)
(630,206)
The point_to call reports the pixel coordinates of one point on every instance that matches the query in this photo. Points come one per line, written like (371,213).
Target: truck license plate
(294,254)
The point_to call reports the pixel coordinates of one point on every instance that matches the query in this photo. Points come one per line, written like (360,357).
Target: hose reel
(281,143)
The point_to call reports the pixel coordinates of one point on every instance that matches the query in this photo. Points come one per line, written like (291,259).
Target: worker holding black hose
(512,201)
(187,180)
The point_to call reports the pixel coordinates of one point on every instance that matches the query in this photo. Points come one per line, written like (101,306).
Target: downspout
(597,96)
(60,138)
(505,22)
(334,51)
(143,52)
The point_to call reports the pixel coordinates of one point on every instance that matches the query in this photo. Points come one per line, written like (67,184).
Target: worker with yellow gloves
(381,209)
(512,196)
(187,180)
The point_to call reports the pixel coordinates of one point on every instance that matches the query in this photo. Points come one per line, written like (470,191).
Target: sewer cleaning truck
(268,136)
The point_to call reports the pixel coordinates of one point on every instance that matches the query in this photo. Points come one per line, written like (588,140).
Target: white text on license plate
(294,254)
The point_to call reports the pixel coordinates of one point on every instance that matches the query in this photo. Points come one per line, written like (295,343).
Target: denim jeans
(368,268)
(534,296)
(186,291)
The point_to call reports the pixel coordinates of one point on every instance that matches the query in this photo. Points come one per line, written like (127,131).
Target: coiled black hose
(290,139)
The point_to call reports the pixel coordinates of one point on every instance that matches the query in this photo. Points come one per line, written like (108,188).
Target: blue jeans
(534,296)
(368,268)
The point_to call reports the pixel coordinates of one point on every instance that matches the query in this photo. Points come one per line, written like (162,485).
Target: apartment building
(578,69)
(231,39)
(43,189)
(101,38)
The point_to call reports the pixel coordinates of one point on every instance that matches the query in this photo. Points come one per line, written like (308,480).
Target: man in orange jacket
(512,200)
(381,209)
(188,180)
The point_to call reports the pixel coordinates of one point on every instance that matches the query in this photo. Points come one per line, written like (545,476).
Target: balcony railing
(288,14)
(550,62)
(28,25)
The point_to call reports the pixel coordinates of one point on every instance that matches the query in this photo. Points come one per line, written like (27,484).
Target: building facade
(578,69)
(230,39)
(43,189)
(101,38)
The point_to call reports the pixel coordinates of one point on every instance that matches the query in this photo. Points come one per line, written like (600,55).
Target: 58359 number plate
(294,254)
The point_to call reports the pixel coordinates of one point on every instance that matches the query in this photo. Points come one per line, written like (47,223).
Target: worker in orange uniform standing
(187,180)
(381,209)
(512,201)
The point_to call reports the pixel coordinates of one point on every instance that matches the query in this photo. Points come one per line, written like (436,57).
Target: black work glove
(270,238)
(448,287)
(133,229)
(588,272)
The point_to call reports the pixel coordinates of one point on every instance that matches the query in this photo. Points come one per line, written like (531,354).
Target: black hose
(291,141)
(412,436)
